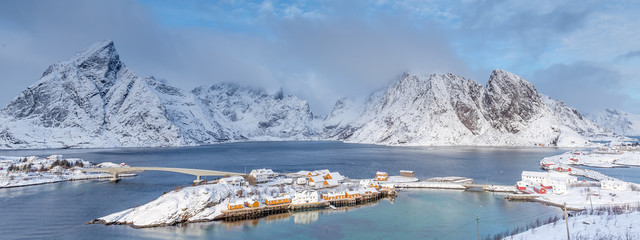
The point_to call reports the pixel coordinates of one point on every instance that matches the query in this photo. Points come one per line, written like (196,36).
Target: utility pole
(591,202)
(566,220)
(478,226)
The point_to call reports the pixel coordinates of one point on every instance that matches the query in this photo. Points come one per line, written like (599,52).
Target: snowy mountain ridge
(620,122)
(451,110)
(94,100)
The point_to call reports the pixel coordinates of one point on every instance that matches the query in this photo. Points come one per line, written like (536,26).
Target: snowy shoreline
(31,171)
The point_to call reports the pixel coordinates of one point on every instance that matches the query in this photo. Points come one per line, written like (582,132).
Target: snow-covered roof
(381,173)
(333,194)
(316,179)
(561,177)
(336,176)
(250,201)
(534,174)
(332,182)
(261,171)
(278,198)
(303,173)
(232,179)
(320,172)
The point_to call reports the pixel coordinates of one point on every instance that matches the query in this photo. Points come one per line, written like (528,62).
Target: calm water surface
(60,211)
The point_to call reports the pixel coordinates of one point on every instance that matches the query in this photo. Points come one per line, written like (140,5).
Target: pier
(457,186)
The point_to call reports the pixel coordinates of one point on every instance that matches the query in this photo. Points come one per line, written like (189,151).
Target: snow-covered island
(604,157)
(559,184)
(259,193)
(33,170)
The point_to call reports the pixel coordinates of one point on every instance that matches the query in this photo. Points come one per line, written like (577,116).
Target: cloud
(629,55)
(322,50)
(272,45)
(587,86)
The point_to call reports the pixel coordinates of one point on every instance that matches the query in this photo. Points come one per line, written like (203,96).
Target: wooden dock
(251,213)
(521,197)
(264,211)
(309,206)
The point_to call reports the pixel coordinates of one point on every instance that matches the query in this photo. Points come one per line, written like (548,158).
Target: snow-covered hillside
(599,225)
(622,123)
(451,110)
(94,100)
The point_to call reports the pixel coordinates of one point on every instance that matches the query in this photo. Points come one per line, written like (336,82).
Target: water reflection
(305,217)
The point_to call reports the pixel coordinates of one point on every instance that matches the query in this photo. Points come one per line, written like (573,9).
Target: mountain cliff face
(93,100)
(619,122)
(451,110)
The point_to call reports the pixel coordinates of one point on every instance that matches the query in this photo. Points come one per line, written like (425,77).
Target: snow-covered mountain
(622,123)
(451,110)
(256,115)
(93,100)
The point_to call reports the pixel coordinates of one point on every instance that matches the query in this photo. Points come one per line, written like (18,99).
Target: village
(308,190)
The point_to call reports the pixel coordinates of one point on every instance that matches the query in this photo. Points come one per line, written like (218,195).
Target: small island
(33,170)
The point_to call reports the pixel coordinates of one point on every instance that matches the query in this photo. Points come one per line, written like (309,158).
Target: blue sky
(585,53)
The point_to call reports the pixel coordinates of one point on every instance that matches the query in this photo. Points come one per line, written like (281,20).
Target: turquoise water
(60,211)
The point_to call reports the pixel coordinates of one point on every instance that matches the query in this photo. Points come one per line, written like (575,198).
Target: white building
(301,181)
(614,185)
(234,180)
(548,178)
(306,197)
(262,175)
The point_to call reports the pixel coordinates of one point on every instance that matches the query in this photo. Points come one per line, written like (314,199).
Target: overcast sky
(584,53)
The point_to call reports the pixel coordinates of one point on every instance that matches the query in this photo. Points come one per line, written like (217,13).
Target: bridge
(196,172)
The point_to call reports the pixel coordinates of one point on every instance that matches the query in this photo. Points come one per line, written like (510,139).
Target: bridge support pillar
(198,181)
(114,178)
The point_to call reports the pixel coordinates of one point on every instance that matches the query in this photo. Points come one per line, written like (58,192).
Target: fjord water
(60,211)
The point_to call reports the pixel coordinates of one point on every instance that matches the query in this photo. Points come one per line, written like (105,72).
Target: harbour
(354,160)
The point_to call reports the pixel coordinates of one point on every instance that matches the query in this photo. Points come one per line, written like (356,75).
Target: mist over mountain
(94,100)
(620,122)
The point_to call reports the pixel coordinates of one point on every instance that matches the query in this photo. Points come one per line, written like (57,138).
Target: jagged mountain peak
(501,81)
(100,64)
(101,49)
